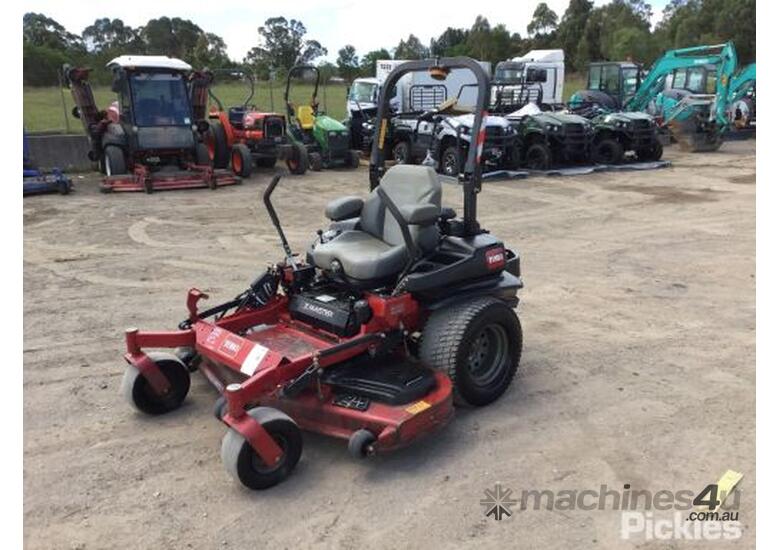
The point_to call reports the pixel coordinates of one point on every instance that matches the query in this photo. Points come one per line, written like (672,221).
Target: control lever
(275,220)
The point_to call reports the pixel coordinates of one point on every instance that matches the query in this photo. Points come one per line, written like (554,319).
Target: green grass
(43,111)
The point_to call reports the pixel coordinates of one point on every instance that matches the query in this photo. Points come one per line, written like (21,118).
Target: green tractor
(551,138)
(327,140)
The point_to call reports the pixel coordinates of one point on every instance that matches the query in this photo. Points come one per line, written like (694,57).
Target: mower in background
(36,182)
(243,137)
(327,141)
(398,309)
(152,137)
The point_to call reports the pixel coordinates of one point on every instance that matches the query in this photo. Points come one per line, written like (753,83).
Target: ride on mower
(397,309)
(244,137)
(326,140)
(152,137)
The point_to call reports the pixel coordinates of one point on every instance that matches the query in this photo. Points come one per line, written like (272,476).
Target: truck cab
(545,67)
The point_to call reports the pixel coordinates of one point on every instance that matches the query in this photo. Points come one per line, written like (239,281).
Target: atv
(445,133)
(621,132)
(327,141)
(396,311)
(244,137)
(548,138)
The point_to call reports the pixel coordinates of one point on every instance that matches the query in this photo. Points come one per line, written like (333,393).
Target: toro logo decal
(494,258)
(230,346)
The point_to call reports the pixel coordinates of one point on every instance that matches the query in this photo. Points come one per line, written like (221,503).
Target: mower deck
(143,179)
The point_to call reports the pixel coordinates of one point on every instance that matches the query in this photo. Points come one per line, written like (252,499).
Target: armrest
(420,214)
(344,208)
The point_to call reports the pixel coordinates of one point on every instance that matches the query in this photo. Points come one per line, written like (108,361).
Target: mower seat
(306,117)
(236,116)
(376,250)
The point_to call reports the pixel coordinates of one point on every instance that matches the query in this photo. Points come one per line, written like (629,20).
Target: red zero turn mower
(398,310)
(152,137)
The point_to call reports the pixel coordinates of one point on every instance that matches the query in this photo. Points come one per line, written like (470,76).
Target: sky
(364,24)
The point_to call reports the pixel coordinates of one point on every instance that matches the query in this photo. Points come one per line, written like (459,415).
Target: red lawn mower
(397,310)
(243,137)
(152,137)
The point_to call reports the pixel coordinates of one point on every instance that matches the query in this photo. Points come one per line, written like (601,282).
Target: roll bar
(471,179)
(246,75)
(302,68)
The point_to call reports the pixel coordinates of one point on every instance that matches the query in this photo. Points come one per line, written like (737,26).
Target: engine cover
(340,315)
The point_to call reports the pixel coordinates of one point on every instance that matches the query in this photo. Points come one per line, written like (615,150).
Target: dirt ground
(638,367)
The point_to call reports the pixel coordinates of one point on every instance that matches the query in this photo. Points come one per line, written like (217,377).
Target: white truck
(545,68)
(415,92)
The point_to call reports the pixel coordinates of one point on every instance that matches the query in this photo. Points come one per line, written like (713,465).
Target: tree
(107,34)
(175,37)
(368,63)
(544,20)
(347,62)
(282,45)
(449,42)
(570,31)
(411,48)
(210,51)
(39,30)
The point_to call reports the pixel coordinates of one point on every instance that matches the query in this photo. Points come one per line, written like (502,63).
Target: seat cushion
(306,117)
(362,256)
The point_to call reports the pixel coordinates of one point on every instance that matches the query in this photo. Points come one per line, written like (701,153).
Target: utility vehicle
(548,138)
(326,140)
(397,310)
(152,137)
(242,136)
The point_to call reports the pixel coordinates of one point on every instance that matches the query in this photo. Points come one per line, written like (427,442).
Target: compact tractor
(396,311)
(326,140)
(152,137)
(243,137)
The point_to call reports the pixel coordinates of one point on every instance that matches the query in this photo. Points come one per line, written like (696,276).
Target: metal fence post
(64,105)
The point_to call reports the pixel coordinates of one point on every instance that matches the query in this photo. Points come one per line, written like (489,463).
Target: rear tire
(114,161)
(361,443)
(353,158)
(449,162)
(607,151)
(298,162)
(241,160)
(140,394)
(652,153)
(402,153)
(315,161)
(216,144)
(243,463)
(477,343)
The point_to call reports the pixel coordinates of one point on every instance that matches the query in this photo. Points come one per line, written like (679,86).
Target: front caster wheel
(243,463)
(140,394)
(361,444)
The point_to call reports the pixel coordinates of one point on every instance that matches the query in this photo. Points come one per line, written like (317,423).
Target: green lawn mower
(327,140)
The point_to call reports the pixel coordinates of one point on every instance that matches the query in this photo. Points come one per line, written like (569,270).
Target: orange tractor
(243,137)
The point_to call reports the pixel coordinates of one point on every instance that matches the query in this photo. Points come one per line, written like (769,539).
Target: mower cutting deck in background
(152,137)
(397,309)
(243,137)
(37,182)
(326,140)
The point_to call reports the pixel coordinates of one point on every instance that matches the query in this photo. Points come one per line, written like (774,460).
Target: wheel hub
(487,354)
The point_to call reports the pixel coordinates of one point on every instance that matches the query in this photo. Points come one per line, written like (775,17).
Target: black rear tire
(652,153)
(478,344)
(298,162)
(353,158)
(607,151)
(202,157)
(449,165)
(114,161)
(315,161)
(243,463)
(402,153)
(241,160)
(216,143)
